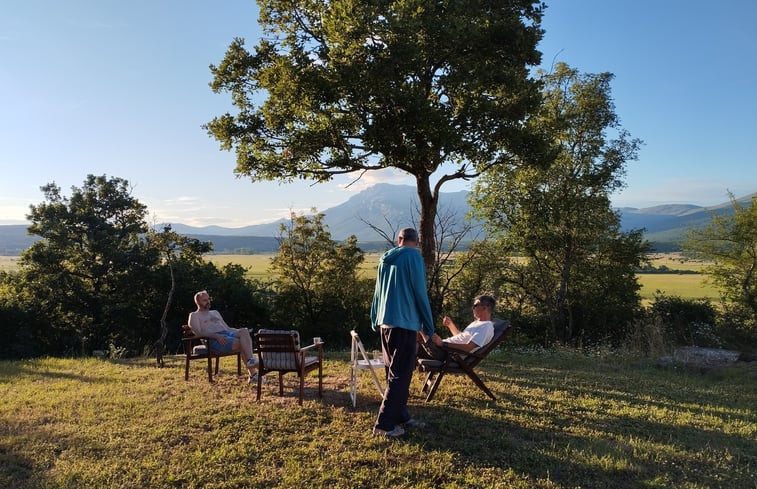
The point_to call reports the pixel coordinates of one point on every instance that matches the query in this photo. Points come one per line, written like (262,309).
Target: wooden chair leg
(302,387)
(210,368)
(480,383)
(281,383)
(320,380)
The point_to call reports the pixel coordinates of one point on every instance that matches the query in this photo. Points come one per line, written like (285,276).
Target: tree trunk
(160,345)
(428,201)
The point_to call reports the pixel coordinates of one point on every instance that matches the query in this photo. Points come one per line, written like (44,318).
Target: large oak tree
(437,89)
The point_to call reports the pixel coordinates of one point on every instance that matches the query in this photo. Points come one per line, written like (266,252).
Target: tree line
(100,279)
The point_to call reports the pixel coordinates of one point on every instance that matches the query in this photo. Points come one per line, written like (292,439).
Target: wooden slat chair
(196,348)
(459,362)
(280,351)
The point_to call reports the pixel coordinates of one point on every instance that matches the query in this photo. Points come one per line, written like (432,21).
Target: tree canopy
(317,280)
(730,242)
(558,216)
(91,253)
(439,90)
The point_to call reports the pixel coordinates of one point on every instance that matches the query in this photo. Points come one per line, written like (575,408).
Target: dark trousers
(399,347)
(431,351)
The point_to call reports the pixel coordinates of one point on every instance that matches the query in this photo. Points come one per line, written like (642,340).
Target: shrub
(685,321)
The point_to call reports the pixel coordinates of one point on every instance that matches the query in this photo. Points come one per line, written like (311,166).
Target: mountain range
(389,207)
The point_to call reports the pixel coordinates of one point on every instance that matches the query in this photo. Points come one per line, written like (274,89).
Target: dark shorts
(226,348)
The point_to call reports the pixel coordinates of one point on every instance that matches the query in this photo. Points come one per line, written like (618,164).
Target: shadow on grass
(580,427)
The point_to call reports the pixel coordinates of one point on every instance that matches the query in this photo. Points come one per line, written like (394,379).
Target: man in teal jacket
(400,310)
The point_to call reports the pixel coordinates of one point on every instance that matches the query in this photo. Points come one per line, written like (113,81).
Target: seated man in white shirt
(474,336)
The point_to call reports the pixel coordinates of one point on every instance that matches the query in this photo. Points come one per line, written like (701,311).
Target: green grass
(259,265)
(687,286)
(562,420)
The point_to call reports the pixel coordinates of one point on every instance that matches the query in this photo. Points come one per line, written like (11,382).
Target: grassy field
(563,420)
(8,263)
(688,286)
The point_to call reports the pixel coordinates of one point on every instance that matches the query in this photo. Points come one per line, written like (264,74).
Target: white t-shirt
(479,332)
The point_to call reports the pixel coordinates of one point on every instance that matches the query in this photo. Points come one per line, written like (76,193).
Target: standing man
(400,309)
(222,338)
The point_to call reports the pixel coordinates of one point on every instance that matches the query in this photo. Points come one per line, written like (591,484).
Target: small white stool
(358,363)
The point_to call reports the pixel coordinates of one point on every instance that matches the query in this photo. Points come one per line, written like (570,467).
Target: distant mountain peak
(386,205)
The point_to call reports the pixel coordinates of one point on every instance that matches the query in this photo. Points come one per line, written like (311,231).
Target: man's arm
(447,321)
(464,347)
(194,324)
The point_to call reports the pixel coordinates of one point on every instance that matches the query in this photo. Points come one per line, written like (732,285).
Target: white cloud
(371,178)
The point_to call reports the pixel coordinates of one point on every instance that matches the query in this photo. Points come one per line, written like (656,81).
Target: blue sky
(121,88)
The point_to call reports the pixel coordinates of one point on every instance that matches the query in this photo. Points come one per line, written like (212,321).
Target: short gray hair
(409,234)
(486,300)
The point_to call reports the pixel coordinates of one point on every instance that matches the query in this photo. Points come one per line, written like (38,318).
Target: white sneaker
(252,362)
(253,379)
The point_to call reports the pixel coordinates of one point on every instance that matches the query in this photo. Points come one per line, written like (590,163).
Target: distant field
(688,286)
(676,261)
(257,265)
(691,286)
(8,262)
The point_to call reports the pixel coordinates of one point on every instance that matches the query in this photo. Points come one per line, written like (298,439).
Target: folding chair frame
(459,362)
(357,350)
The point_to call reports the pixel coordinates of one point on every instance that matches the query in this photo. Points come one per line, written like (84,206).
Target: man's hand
(221,339)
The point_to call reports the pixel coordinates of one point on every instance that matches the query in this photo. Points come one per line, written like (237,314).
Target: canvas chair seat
(280,351)
(459,362)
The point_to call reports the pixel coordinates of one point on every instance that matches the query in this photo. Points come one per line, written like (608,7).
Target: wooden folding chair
(459,362)
(359,361)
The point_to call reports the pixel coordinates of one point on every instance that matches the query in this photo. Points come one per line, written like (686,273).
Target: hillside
(390,207)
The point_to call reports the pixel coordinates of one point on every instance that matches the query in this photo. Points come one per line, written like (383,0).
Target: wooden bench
(196,348)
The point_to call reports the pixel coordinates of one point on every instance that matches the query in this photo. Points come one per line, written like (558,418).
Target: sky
(121,88)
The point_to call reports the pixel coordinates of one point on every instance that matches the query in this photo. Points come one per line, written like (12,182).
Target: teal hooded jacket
(401,298)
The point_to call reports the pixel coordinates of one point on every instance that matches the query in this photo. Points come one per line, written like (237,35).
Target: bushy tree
(730,242)
(99,279)
(318,289)
(89,271)
(437,89)
(559,239)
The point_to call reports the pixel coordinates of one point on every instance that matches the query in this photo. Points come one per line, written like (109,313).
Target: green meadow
(562,420)
(687,286)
